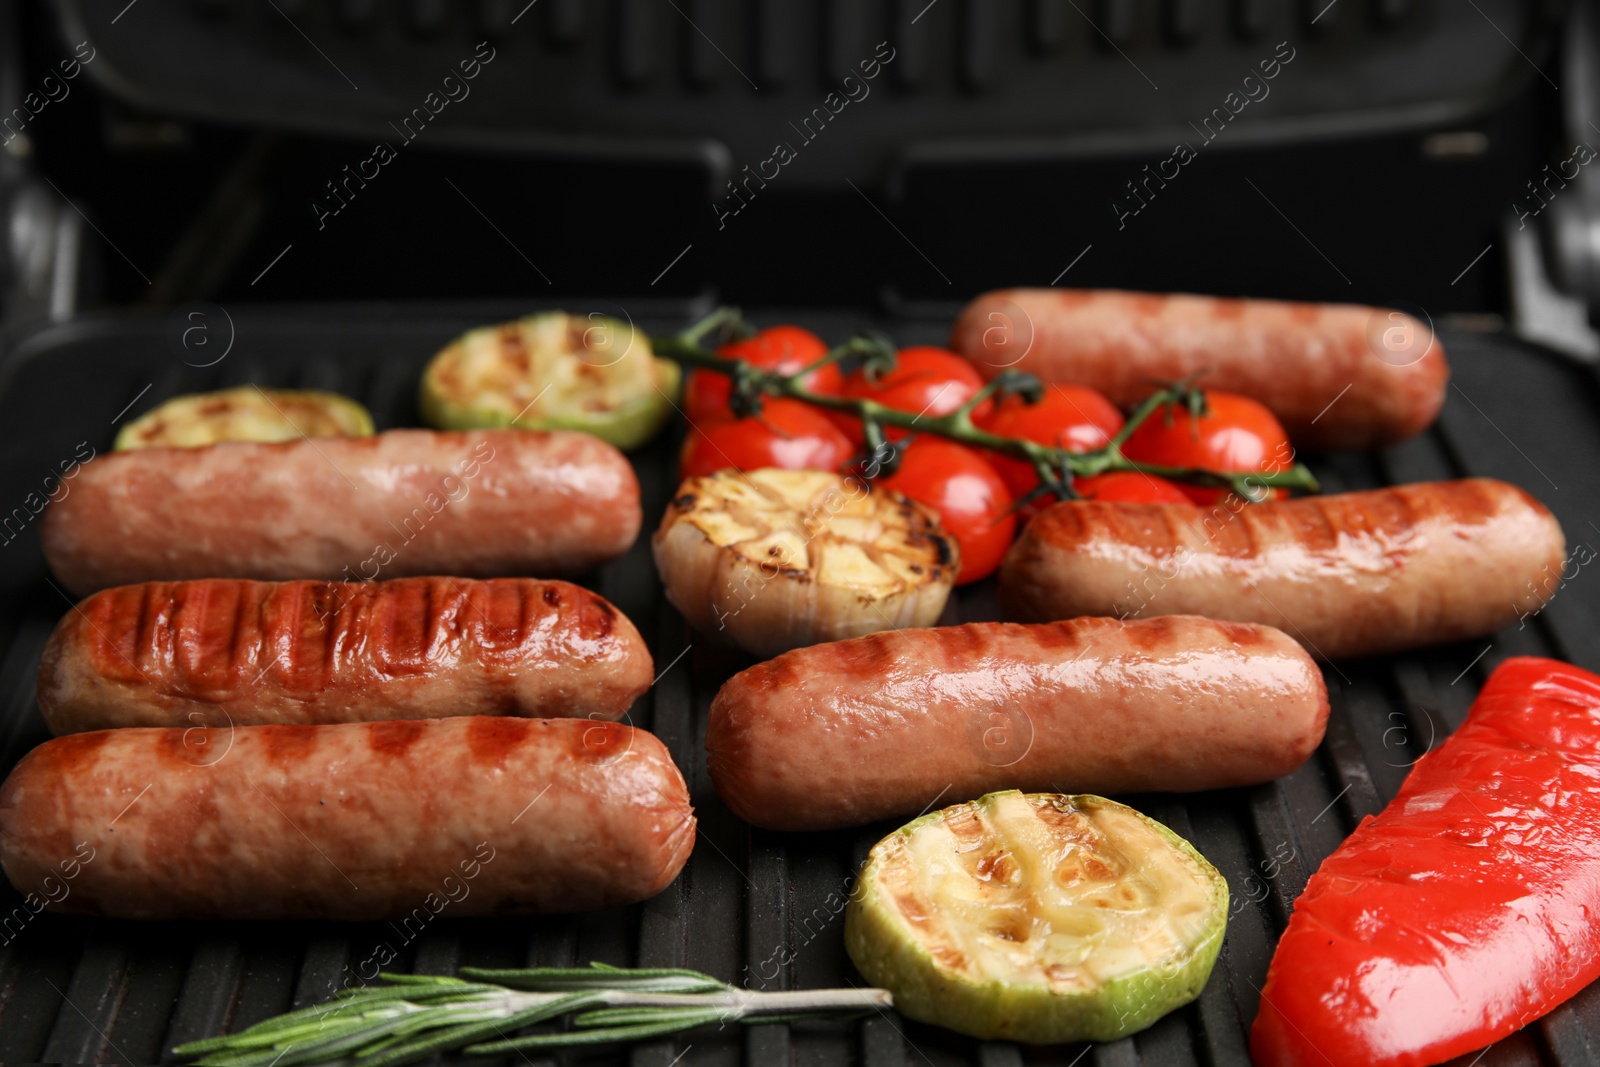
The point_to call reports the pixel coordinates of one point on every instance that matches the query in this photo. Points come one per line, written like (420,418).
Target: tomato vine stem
(1057,468)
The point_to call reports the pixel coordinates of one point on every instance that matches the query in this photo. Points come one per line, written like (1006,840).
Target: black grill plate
(752,906)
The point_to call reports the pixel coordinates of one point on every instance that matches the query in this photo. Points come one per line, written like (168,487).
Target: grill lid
(856,88)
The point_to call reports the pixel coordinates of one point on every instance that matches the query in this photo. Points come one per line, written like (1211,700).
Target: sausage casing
(407,502)
(1348,574)
(219,651)
(844,733)
(355,821)
(1336,375)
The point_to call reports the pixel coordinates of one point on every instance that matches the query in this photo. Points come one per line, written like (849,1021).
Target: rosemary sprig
(1057,468)
(416,1016)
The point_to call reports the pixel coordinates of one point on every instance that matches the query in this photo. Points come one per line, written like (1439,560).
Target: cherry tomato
(1069,416)
(973,503)
(785,349)
(926,381)
(1236,434)
(1130,487)
(787,433)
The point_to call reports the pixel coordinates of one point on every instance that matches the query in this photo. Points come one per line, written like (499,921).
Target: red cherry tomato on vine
(787,433)
(1068,416)
(1130,487)
(1236,434)
(974,505)
(926,381)
(785,349)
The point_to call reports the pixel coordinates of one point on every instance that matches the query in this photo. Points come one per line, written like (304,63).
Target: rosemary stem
(372,1028)
(738,1002)
(747,1002)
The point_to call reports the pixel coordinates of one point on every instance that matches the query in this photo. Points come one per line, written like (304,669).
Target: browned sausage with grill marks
(1348,574)
(845,733)
(360,821)
(478,504)
(217,651)
(1336,375)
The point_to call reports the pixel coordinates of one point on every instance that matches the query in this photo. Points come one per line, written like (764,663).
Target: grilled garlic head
(1037,917)
(775,559)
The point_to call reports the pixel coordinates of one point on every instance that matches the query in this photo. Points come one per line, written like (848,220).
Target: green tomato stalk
(1057,468)
(417,1016)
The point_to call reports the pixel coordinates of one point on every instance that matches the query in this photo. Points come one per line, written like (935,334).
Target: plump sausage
(1348,574)
(476,504)
(356,821)
(1336,375)
(217,651)
(841,734)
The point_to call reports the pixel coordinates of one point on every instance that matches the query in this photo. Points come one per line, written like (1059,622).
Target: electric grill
(1002,87)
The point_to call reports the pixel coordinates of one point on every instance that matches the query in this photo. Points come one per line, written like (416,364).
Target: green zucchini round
(553,371)
(1038,918)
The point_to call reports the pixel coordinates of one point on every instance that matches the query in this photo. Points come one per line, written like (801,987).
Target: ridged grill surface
(757,907)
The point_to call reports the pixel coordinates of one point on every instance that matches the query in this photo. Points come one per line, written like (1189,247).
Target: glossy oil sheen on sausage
(1347,574)
(471,816)
(1336,375)
(845,733)
(476,504)
(220,651)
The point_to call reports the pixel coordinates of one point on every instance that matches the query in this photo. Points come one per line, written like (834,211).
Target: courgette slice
(247,413)
(553,371)
(1038,918)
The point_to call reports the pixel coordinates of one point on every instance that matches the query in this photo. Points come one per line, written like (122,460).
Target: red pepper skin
(1465,909)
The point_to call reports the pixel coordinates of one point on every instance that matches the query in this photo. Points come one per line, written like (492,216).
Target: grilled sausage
(476,504)
(355,821)
(221,651)
(1348,574)
(1336,375)
(841,734)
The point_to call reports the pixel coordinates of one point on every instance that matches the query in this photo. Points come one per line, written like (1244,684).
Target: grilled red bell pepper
(1467,908)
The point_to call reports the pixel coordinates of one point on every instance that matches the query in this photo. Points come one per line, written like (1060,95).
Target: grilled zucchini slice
(247,413)
(553,371)
(775,559)
(1037,917)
